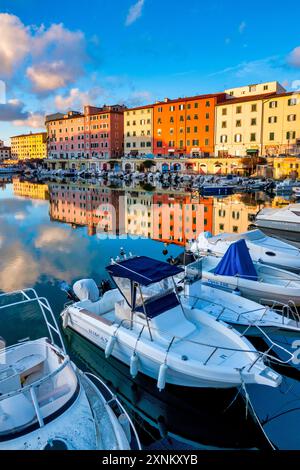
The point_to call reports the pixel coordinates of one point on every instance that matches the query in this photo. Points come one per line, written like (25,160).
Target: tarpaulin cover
(143,270)
(237,261)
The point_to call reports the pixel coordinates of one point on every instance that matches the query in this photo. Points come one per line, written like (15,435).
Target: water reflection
(49,232)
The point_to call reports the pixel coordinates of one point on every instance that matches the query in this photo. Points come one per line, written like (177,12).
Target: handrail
(26,388)
(44,308)
(217,347)
(117,401)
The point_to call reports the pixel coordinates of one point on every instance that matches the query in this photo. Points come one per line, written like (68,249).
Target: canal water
(63,231)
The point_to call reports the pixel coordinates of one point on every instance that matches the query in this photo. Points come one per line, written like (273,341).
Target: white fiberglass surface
(29,370)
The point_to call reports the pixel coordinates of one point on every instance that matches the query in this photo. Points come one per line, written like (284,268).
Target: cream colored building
(234,214)
(138,131)
(238,130)
(255,89)
(29,146)
(281,125)
(139,214)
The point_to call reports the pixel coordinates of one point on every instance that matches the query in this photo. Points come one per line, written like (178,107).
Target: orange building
(179,218)
(185,126)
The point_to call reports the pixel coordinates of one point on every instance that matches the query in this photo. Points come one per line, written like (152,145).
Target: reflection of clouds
(54,238)
(20,216)
(18,268)
(12,206)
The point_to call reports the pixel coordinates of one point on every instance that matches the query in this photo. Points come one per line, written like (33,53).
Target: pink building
(97,133)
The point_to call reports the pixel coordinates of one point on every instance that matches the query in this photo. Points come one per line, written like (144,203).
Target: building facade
(30,190)
(138,131)
(185,126)
(29,146)
(5,152)
(97,133)
(281,125)
(255,89)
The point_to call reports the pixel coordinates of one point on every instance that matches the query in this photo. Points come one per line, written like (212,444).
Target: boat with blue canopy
(143,323)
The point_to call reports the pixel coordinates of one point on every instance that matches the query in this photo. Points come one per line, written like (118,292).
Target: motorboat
(5,170)
(144,324)
(285,219)
(285,186)
(245,315)
(46,402)
(254,280)
(262,248)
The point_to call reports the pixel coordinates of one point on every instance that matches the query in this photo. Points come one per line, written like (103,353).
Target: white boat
(285,186)
(296,191)
(262,248)
(46,402)
(243,314)
(254,280)
(143,324)
(286,219)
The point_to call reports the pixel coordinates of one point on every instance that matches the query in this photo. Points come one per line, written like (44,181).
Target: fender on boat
(162,375)
(110,346)
(134,365)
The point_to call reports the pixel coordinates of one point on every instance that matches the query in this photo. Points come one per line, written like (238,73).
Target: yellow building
(29,146)
(234,214)
(255,89)
(30,190)
(285,167)
(281,125)
(238,129)
(138,131)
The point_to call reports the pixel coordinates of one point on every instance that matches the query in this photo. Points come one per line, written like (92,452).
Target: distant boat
(9,169)
(262,248)
(286,219)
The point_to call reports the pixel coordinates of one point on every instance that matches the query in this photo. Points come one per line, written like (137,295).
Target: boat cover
(237,261)
(143,270)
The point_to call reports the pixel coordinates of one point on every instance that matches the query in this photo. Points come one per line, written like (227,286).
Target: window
(159,109)
(181,107)
(273,104)
(235,229)
(238,138)
(253,137)
(291,117)
(181,119)
(272,119)
(252,88)
(238,109)
(172,108)
(292,101)
(159,143)
(188,118)
(238,123)
(266,87)
(272,136)
(207,116)
(206,128)
(223,139)
(196,142)
(206,142)
(196,116)
(224,112)
(195,105)
(207,104)
(254,107)
(171,130)
(224,124)
(291,135)
(253,122)
(171,143)
(188,130)
(221,226)
(171,119)
(181,144)
(181,130)
(195,129)
(159,121)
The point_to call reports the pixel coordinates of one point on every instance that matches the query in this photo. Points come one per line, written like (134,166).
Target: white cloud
(47,77)
(138,98)
(14,43)
(76,99)
(34,120)
(54,57)
(242,27)
(135,12)
(294,57)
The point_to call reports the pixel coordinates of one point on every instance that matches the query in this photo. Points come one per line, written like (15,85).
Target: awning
(143,270)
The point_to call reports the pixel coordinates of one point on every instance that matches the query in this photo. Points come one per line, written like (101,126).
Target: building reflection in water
(167,216)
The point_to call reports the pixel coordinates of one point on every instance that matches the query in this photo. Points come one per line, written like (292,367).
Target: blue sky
(57,55)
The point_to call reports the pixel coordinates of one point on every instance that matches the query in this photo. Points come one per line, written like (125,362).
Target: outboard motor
(65,287)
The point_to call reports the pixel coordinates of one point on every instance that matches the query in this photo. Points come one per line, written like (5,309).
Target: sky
(59,55)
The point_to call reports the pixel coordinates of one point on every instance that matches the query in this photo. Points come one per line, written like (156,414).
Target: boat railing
(288,311)
(113,400)
(30,296)
(30,389)
(259,354)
